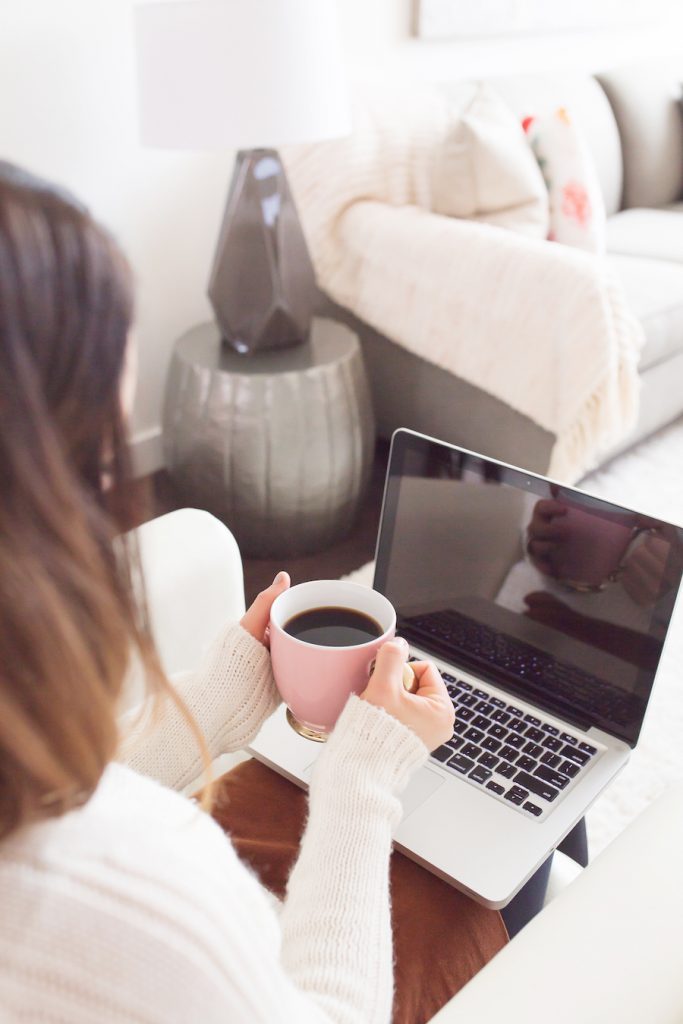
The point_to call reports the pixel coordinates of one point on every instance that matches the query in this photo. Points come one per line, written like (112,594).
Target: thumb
(388,672)
(257,616)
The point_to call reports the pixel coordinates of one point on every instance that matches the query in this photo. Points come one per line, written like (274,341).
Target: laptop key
(587,749)
(497,703)
(448,678)
(517,712)
(480,693)
(442,753)
(480,774)
(526,763)
(552,760)
(568,738)
(464,685)
(531,720)
(490,743)
(506,770)
(469,700)
(471,750)
(534,734)
(498,732)
(516,795)
(536,785)
(455,742)
(550,729)
(495,788)
(532,808)
(554,778)
(508,753)
(484,708)
(533,750)
(499,716)
(461,763)
(480,722)
(517,725)
(570,769)
(488,760)
(476,735)
(516,741)
(552,743)
(575,755)
(464,713)
(459,725)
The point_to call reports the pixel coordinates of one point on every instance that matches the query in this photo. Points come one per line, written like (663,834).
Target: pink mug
(315,681)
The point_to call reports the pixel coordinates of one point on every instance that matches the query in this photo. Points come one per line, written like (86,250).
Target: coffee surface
(333,627)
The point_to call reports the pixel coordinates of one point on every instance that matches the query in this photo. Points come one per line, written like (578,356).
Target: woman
(121,900)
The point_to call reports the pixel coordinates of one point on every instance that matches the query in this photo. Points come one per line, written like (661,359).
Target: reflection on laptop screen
(561,597)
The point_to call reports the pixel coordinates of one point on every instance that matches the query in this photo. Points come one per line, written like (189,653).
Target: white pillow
(485,170)
(577,205)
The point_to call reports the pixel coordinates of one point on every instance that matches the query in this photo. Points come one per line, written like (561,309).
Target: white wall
(380,43)
(67,110)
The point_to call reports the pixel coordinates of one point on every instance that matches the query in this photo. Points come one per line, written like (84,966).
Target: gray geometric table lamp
(226,74)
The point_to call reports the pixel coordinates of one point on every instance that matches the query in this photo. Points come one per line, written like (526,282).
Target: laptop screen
(557,596)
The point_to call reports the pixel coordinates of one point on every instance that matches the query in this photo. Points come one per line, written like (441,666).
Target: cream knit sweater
(136,908)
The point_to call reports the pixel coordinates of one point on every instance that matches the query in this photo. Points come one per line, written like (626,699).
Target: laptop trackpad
(418,789)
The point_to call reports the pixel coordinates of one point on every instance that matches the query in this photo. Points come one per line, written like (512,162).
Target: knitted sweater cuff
(368,739)
(250,687)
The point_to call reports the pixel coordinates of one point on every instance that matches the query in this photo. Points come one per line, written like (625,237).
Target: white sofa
(633,121)
(606,949)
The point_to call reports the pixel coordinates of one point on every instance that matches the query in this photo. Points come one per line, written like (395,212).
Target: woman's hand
(546,534)
(428,712)
(257,616)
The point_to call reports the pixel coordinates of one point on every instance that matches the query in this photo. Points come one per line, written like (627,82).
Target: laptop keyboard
(511,753)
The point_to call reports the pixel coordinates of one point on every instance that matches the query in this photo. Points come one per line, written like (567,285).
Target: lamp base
(262,286)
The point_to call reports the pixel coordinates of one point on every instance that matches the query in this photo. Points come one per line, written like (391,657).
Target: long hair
(72,607)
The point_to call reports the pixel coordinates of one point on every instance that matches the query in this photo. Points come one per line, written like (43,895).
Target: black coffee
(333,627)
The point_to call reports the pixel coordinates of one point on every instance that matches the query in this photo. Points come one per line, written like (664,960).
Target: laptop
(546,610)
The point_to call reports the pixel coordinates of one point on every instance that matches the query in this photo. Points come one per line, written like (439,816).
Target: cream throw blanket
(540,326)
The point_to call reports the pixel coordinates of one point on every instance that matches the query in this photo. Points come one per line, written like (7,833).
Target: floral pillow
(577,207)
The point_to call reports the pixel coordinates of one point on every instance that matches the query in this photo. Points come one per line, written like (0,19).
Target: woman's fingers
(429,679)
(257,616)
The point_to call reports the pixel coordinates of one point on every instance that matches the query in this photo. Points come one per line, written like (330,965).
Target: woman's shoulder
(134,840)
(137,876)
(136,902)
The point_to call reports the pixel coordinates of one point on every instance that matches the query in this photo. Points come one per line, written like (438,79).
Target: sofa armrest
(194,582)
(607,949)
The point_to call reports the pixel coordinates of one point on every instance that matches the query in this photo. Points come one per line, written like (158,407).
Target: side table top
(330,342)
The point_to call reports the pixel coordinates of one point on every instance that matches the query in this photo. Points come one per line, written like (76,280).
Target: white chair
(605,949)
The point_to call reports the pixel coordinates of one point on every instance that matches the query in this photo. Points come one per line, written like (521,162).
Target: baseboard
(147,451)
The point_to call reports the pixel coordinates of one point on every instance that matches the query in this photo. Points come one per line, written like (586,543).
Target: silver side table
(278,445)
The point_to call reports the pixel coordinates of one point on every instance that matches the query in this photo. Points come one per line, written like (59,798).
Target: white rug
(650,478)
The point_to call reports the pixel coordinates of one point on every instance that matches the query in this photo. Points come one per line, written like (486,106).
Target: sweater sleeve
(336,925)
(230,698)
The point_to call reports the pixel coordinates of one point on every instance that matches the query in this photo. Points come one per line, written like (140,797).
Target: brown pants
(441,937)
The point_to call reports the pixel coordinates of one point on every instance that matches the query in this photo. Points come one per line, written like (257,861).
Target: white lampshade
(224,74)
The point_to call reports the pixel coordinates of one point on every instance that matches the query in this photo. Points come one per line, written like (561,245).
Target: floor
(155,495)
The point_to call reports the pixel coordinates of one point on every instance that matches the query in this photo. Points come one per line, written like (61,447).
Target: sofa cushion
(654,291)
(485,170)
(654,233)
(645,99)
(540,94)
(577,207)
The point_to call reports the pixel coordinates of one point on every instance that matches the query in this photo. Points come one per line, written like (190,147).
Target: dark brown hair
(71,597)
